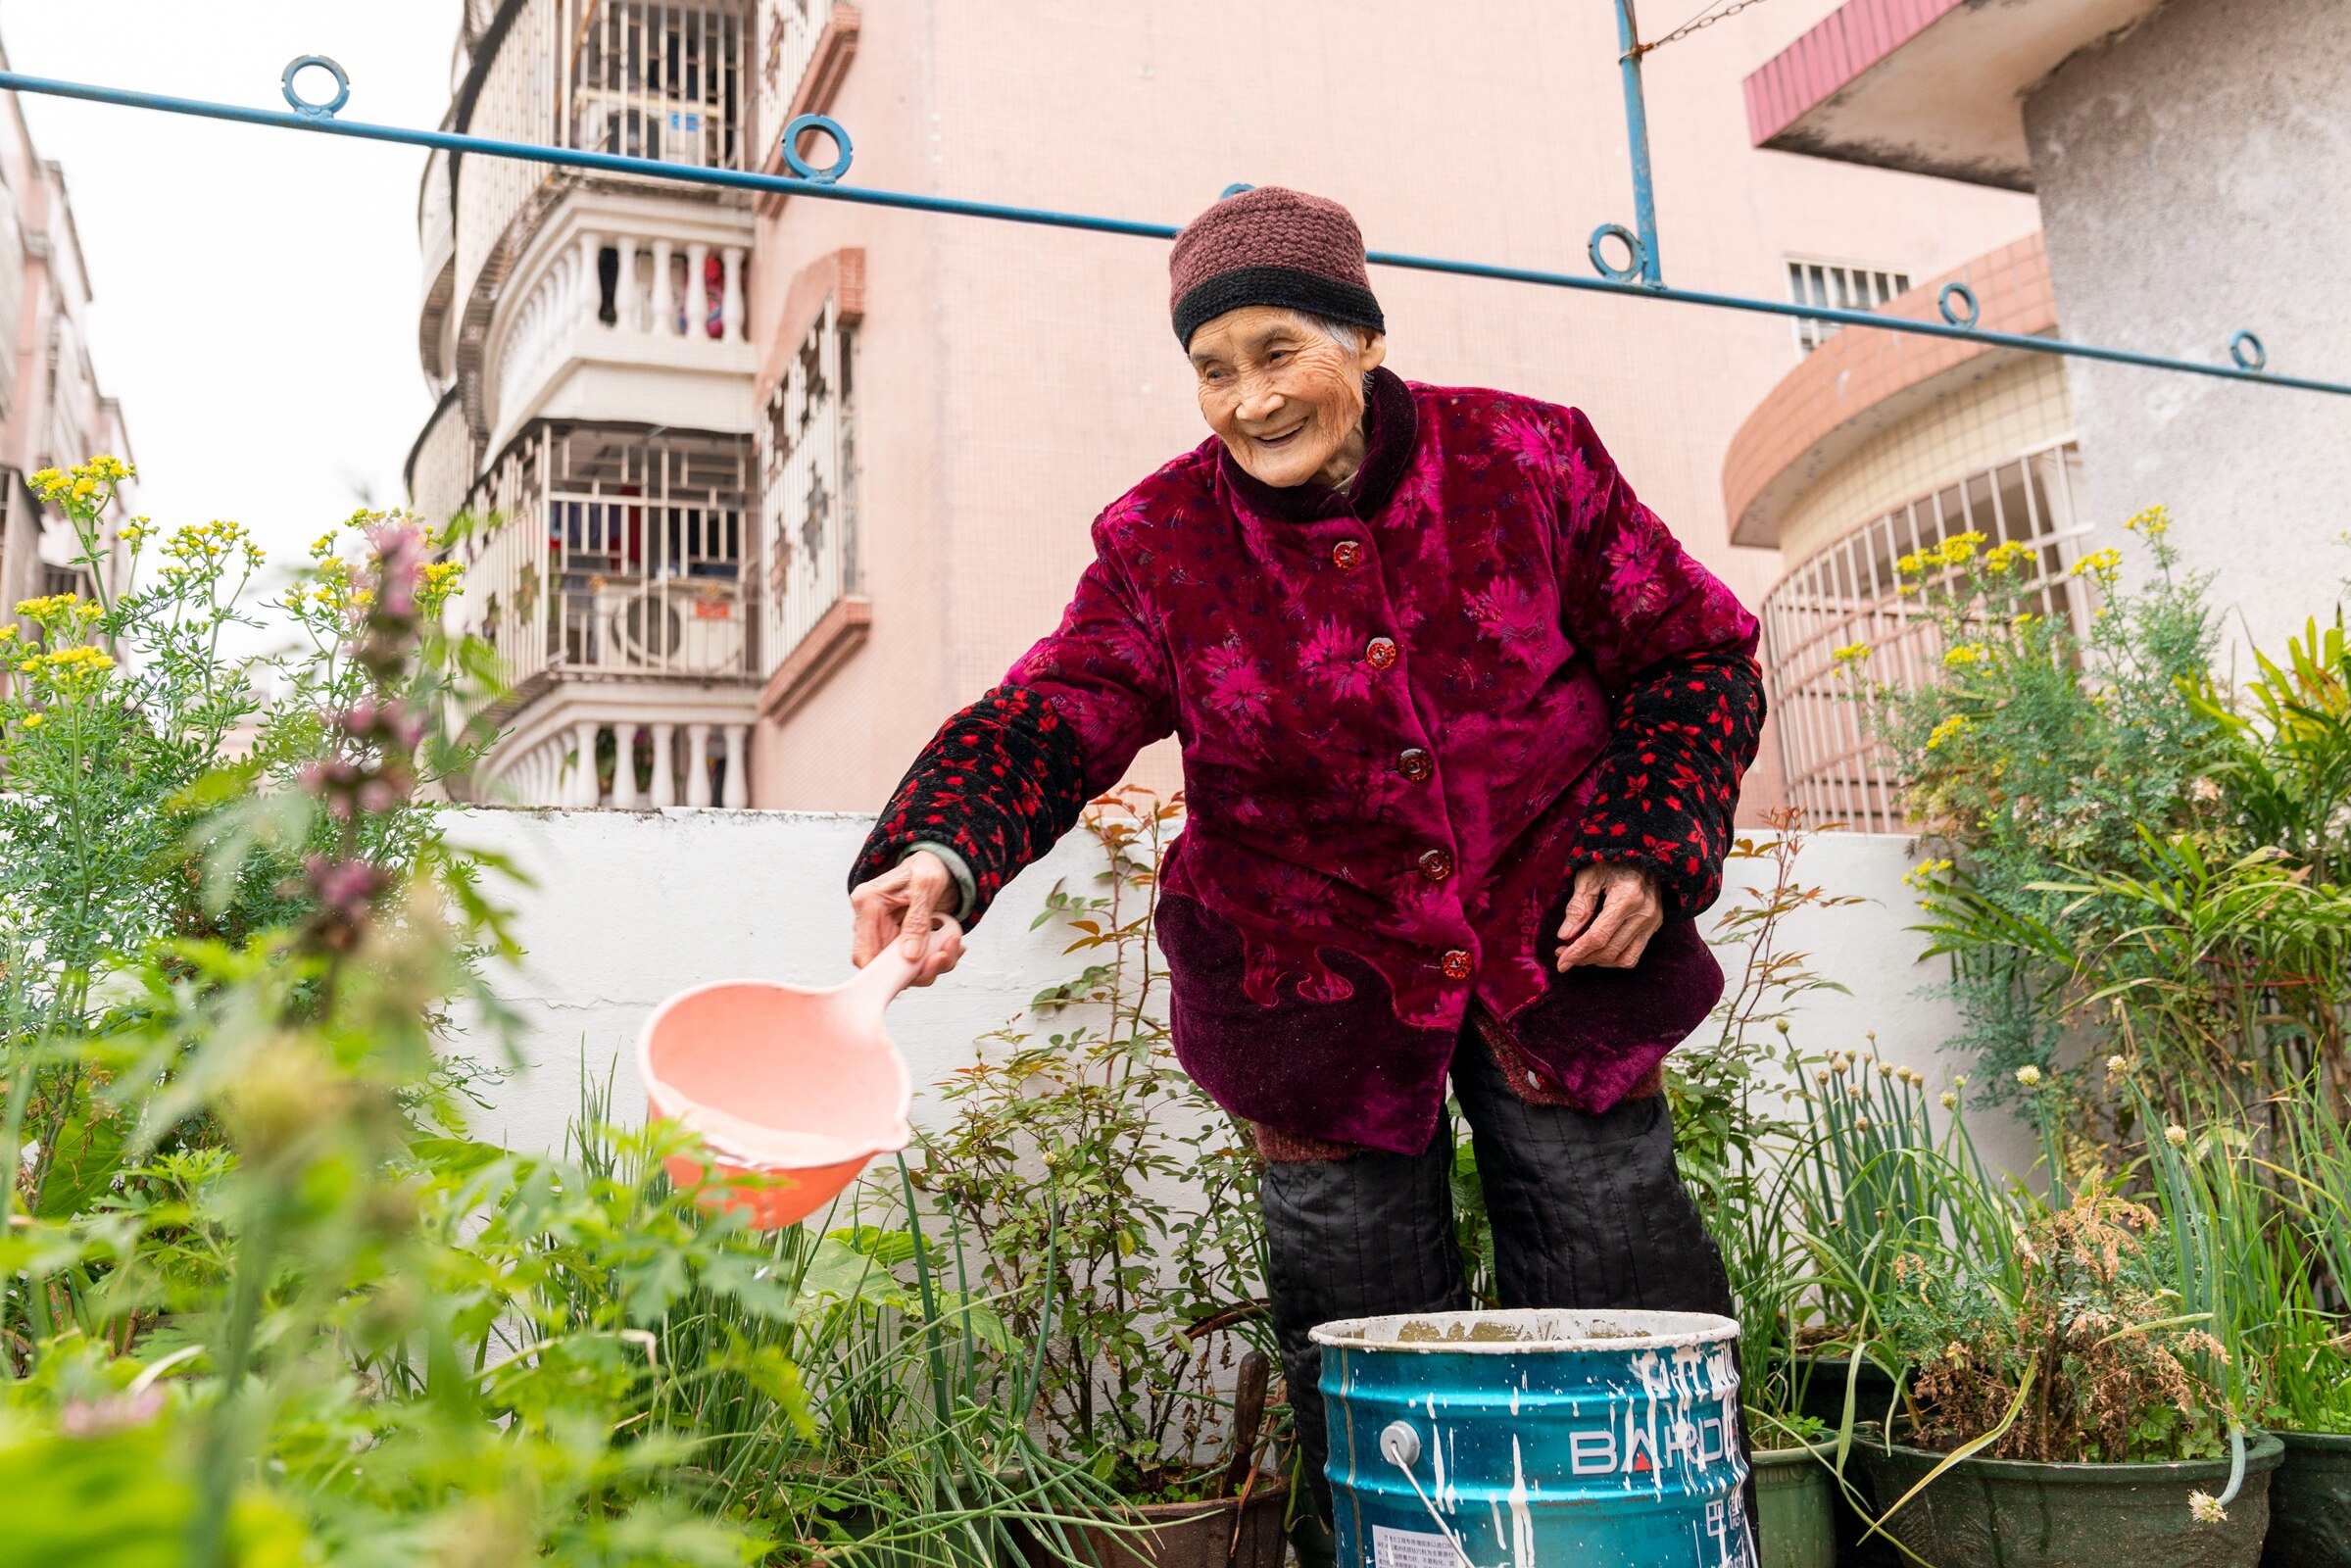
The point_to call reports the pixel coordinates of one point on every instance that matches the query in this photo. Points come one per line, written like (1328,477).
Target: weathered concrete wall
(2191,178)
(627,907)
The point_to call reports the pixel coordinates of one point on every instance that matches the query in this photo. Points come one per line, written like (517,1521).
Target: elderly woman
(1462,728)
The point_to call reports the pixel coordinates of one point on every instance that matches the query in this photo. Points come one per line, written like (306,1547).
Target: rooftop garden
(264,1298)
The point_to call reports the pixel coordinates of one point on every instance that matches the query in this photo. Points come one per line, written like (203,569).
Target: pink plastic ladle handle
(888,972)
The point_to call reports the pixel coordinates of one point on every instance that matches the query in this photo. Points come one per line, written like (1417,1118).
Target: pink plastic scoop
(791,1090)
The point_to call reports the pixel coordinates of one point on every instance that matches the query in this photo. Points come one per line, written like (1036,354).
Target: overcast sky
(257,289)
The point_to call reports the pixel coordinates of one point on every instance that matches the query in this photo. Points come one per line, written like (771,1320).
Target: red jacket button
(1380,653)
(1415,763)
(1458,964)
(1437,864)
(1348,554)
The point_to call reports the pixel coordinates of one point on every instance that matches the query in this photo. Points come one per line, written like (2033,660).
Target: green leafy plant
(303,1321)
(1111,1200)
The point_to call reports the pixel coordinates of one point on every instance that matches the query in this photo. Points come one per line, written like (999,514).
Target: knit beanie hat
(1270,246)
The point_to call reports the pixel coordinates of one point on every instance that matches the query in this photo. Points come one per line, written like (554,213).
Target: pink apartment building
(779,484)
(52,412)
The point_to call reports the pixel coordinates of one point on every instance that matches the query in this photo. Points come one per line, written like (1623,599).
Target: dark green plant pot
(1821,1396)
(2310,1504)
(1218,1533)
(2010,1513)
(1796,1506)
(1822,1392)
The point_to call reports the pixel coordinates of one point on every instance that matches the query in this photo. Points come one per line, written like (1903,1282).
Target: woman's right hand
(898,906)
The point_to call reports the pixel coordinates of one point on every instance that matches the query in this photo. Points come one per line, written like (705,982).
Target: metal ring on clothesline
(1963,320)
(304,106)
(1630,271)
(2249,352)
(801,166)
(1234,189)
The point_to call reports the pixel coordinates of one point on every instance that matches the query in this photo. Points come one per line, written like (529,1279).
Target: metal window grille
(1848,594)
(807,439)
(659,79)
(1838,286)
(615,550)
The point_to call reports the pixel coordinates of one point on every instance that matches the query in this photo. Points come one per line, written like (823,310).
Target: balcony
(624,308)
(664,79)
(1850,592)
(611,580)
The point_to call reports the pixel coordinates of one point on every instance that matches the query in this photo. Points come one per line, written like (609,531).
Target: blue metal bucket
(1536,1439)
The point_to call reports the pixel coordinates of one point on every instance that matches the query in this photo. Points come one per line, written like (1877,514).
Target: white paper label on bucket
(1410,1549)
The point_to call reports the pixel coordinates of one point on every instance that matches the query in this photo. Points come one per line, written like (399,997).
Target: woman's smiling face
(1286,399)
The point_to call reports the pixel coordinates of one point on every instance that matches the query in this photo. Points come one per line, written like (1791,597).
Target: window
(1838,286)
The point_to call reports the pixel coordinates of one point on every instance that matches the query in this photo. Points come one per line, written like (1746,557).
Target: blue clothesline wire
(822,185)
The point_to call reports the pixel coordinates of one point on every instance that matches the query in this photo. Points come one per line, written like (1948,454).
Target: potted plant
(2072,1403)
(1109,1206)
(2306,1351)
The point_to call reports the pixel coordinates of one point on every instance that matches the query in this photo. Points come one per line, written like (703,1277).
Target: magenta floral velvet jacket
(1407,715)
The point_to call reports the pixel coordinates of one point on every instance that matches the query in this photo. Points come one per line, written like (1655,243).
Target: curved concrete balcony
(627,307)
(1861,385)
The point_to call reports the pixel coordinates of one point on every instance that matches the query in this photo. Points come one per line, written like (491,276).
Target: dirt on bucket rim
(1528,1330)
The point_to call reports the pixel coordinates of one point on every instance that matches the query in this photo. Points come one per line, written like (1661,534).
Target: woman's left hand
(1614,912)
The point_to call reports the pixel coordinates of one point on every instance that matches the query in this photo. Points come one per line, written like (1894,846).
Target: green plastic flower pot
(1794,1506)
(2310,1504)
(2011,1513)
(1823,1398)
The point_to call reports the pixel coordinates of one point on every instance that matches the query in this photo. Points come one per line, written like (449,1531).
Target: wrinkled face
(1286,400)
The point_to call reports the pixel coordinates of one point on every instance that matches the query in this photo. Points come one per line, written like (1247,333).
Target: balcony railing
(623,290)
(611,551)
(1850,592)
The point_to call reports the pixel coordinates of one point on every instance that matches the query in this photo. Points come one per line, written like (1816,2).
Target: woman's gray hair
(1346,334)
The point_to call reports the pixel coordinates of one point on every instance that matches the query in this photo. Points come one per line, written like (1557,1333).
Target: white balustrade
(662,319)
(624,767)
(698,290)
(698,765)
(568,300)
(665,778)
(738,767)
(560,771)
(731,258)
(585,792)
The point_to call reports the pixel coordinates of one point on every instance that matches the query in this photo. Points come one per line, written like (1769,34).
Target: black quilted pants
(1587,1212)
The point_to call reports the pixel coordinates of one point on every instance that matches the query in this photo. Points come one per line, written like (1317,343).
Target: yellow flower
(2153,523)
(35,720)
(1911,565)
(1959,546)
(1849,654)
(1925,872)
(2028,1075)
(2002,557)
(1966,653)
(2104,562)
(1946,730)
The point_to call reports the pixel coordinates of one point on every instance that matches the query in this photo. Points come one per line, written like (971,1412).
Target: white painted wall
(628,907)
